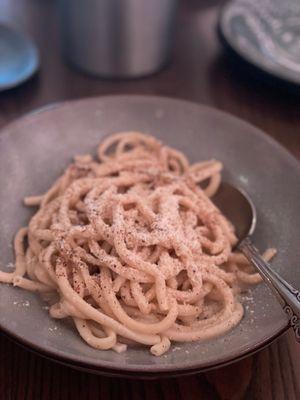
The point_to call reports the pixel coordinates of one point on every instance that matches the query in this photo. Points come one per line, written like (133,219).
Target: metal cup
(117,38)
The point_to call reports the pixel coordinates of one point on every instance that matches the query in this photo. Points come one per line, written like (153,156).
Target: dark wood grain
(200,71)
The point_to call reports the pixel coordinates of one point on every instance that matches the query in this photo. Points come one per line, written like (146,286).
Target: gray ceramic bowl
(35,149)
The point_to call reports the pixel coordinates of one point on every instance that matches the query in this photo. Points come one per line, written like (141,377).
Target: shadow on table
(251,79)
(21,97)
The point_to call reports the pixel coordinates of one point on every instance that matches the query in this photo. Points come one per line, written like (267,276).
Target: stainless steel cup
(117,38)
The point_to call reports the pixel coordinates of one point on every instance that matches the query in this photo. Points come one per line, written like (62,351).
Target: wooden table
(201,72)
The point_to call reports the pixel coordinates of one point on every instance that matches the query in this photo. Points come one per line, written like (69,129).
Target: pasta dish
(132,248)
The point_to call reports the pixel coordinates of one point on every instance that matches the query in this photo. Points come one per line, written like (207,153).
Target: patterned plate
(265,33)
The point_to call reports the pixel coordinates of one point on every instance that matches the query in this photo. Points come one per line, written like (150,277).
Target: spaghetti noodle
(134,249)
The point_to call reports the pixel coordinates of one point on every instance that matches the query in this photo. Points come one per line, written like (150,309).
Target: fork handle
(287,295)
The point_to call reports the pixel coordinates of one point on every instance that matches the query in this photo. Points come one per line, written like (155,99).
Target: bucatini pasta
(133,249)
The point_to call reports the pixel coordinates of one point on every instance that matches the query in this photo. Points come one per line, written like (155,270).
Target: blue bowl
(19,58)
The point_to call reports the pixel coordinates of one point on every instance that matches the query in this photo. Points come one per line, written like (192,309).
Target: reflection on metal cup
(117,38)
